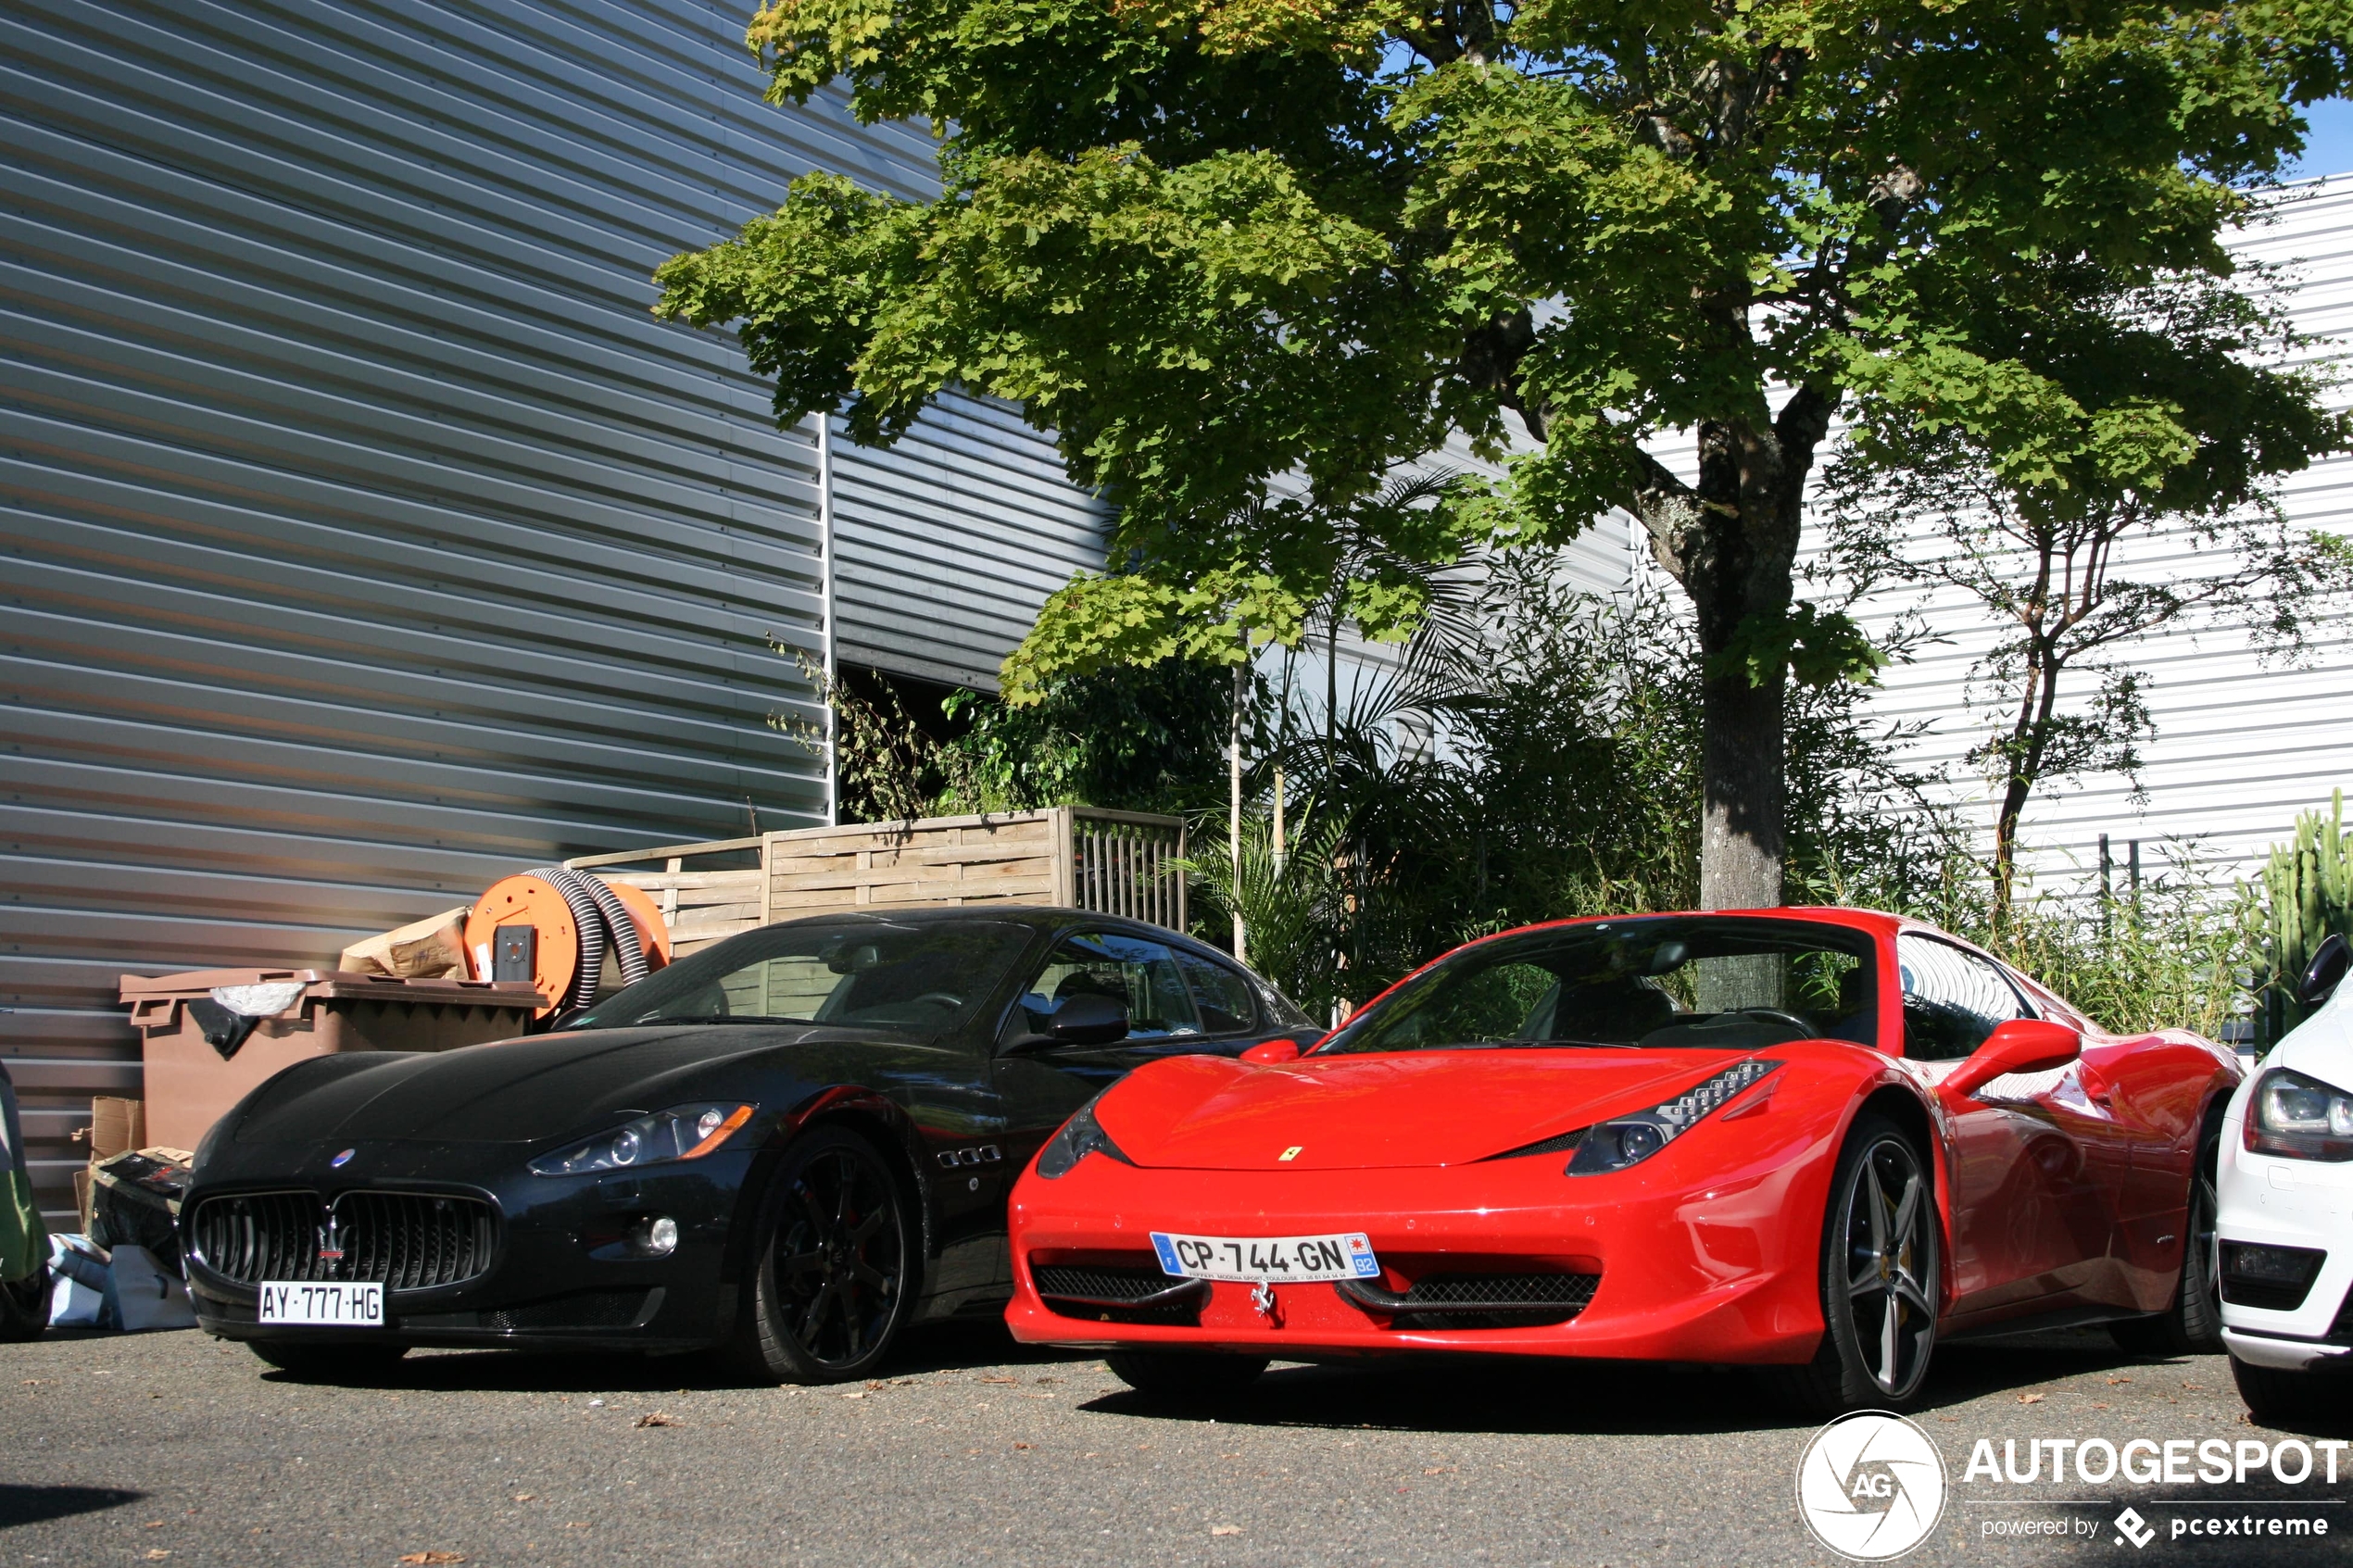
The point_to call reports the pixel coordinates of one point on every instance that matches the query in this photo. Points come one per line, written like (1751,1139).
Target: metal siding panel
(366,535)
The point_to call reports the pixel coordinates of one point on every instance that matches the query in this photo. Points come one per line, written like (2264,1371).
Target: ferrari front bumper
(1708,1271)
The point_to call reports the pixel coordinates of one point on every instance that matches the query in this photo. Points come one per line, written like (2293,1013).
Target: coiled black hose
(602,921)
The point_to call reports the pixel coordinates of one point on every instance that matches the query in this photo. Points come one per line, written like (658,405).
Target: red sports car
(1817,1140)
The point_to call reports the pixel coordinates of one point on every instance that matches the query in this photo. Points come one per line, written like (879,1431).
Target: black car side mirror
(1083,1020)
(2326,971)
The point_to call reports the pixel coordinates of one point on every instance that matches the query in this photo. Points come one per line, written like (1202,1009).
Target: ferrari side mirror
(2022,1045)
(2326,973)
(1272,1053)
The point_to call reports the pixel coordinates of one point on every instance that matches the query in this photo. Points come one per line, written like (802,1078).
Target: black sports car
(789,1146)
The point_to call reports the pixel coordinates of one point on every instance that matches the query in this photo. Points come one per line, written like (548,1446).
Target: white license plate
(343,1306)
(1251,1259)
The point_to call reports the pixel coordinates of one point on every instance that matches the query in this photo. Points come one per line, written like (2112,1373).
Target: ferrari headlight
(1628,1140)
(685,1132)
(2301,1118)
(1080,1136)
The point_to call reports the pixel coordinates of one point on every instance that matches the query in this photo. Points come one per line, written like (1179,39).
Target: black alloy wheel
(836,1277)
(2192,1325)
(1880,1278)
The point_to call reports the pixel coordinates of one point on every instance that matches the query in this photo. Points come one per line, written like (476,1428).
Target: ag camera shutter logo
(1870,1485)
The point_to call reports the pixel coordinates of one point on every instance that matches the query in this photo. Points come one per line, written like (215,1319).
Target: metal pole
(1234,808)
(826,610)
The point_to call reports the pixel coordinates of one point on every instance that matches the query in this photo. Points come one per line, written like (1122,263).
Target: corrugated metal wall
(366,538)
(2241,747)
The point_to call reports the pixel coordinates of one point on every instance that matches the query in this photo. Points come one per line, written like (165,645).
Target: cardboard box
(117,1126)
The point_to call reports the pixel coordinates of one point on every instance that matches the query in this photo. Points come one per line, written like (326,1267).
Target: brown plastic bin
(190,1085)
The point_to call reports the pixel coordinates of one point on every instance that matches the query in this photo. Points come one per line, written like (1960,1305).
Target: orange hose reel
(533,900)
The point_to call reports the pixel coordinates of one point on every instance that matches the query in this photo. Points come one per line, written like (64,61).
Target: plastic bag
(147,1295)
(83,1296)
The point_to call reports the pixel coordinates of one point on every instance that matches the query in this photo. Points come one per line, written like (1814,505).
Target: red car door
(2155,1087)
(2034,1176)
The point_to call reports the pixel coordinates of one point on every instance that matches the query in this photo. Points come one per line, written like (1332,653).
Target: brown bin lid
(336,984)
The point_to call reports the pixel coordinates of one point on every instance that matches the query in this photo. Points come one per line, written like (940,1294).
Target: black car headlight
(1080,1136)
(2301,1118)
(685,1132)
(1628,1140)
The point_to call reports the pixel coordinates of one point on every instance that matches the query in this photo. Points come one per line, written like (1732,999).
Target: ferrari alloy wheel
(1177,1377)
(24,1305)
(341,1361)
(834,1277)
(2193,1325)
(1880,1278)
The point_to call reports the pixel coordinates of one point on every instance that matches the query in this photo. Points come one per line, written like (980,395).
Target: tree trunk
(1742,794)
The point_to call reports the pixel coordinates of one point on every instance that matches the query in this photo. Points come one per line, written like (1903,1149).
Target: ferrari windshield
(1723,980)
(922,976)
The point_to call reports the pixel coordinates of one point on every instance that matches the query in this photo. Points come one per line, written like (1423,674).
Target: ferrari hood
(515,1091)
(1357,1113)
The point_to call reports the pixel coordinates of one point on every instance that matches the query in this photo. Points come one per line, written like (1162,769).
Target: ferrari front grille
(404,1241)
(1110,1293)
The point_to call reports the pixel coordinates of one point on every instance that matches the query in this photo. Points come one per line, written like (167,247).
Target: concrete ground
(176,1450)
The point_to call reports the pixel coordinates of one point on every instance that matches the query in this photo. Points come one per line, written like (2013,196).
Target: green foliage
(1134,739)
(1294,906)
(1814,646)
(2308,897)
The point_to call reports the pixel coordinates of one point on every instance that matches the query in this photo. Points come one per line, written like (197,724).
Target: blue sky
(2329,148)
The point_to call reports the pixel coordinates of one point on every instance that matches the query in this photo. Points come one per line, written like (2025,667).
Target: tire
(833,1266)
(1178,1376)
(24,1306)
(1880,1279)
(2193,1325)
(2284,1398)
(342,1362)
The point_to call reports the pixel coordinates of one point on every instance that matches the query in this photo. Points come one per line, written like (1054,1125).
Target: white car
(2285,1220)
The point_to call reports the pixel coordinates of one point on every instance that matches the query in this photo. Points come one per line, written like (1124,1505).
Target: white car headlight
(2301,1118)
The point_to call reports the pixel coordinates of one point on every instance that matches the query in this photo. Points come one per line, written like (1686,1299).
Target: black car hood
(515,1091)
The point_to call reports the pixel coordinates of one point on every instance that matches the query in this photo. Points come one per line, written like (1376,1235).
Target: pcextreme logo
(1870,1485)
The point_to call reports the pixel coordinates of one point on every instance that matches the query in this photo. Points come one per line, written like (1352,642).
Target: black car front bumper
(474,1250)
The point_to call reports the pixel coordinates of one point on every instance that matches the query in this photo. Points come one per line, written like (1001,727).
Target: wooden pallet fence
(1116,862)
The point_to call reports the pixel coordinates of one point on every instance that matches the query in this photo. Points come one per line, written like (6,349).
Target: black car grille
(1081,1290)
(589,1310)
(1548,1299)
(405,1240)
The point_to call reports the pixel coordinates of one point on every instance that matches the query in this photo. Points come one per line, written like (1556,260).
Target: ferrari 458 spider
(1814,1140)
(789,1145)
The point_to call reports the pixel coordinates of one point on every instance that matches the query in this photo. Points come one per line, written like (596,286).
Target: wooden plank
(667,852)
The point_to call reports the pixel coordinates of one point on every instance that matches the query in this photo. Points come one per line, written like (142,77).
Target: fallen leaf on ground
(1437,1470)
(1025,1445)
(1225,1529)
(594,1404)
(152,1524)
(2098,1406)
(2029,1399)
(156,1554)
(2114,1381)
(525,1496)
(425,1557)
(656,1418)
(855,1394)
(1000,1380)
(2199,1387)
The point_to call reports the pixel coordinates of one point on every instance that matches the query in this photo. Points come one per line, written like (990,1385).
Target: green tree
(1247,257)
(2058,558)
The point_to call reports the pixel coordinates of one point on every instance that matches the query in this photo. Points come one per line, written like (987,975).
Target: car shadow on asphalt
(1524,1396)
(930,1347)
(36,1505)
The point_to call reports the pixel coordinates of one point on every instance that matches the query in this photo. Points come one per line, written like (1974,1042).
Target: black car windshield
(922,975)
(1721,981)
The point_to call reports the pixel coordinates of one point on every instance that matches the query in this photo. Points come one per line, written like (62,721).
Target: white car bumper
(2302,1204)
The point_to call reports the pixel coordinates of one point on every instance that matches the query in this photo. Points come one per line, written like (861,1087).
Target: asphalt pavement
(176,1450)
